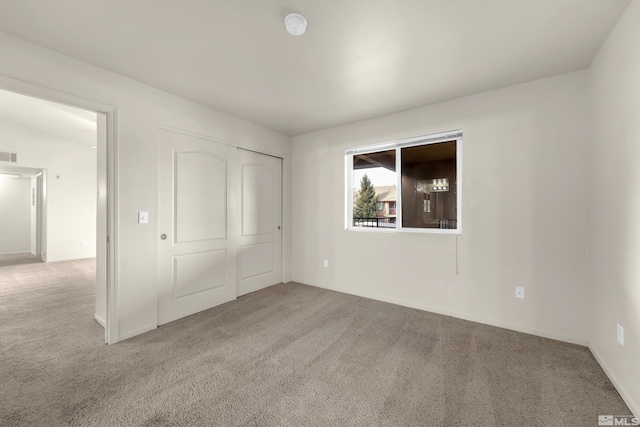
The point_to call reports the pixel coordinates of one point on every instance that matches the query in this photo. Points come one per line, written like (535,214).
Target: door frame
(48,94)
(40,215)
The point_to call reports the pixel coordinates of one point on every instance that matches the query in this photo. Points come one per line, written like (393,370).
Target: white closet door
(260,253)
(197,216)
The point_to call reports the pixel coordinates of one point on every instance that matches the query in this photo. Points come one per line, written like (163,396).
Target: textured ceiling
(358,59)
(45,119)
(18,170)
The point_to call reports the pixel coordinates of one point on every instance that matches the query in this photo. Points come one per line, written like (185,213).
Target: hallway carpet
(290,355)
(17,259)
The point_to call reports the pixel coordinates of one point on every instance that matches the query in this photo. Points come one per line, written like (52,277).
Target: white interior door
(260,253)
(196,219)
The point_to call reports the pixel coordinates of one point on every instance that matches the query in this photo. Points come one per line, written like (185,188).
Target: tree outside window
(366,200)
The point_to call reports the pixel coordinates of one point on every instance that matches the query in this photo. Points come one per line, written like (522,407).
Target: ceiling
(24,172)
(358,59)
(49,119)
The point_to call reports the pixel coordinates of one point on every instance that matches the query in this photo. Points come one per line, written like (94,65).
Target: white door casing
(101,222)
(39,216)
(197,212)
(260,252)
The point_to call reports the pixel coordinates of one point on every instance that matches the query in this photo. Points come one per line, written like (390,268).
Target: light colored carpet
(18,259)
(290,355)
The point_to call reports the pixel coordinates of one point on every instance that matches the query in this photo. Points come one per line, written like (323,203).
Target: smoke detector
(295,24)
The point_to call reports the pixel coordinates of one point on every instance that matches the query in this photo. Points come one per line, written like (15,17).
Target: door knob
(163,237)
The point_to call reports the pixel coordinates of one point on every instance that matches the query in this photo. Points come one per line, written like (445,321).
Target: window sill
(405,230)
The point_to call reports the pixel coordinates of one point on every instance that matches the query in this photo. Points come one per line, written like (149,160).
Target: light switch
(143,217)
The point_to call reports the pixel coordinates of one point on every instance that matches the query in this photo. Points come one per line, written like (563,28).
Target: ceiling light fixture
(295,24)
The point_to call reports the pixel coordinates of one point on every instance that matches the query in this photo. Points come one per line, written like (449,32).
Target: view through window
(428,197)
(374,189)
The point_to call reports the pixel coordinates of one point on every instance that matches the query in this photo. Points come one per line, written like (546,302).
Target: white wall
(15,215)
(614,208)
(71,198)
(140,110)
(524,207)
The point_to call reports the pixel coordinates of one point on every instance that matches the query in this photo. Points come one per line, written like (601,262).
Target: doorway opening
(60,153)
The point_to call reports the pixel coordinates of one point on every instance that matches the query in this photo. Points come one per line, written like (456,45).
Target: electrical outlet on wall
(620,334)
(326,263)
(83,243)
(520,292)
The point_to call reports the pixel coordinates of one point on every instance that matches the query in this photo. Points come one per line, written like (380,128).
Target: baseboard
(71,259)
(614,380)
(135,332)
(504,325)
(15,253)
(100,320)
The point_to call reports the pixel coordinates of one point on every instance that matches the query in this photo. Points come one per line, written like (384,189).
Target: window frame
(398,145)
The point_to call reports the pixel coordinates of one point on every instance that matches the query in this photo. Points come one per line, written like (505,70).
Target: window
(374,184)
(407,185)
